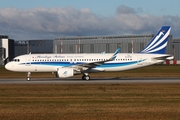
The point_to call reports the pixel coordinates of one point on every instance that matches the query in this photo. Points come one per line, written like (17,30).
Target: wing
(98,63)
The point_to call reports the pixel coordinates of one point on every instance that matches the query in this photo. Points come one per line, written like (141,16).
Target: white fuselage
(68,65)
(51,62)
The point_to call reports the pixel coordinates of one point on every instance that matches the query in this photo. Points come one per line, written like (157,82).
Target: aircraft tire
(87,78)
(28,79)
(84,77)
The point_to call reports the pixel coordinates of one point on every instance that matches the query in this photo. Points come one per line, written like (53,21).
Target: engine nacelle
(65,72)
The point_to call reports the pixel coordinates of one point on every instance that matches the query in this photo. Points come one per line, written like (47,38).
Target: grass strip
(90,102)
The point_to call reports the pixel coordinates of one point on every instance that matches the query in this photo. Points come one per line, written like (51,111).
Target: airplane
(68,65)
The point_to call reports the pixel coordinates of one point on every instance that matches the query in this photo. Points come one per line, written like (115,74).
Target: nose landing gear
(28,76)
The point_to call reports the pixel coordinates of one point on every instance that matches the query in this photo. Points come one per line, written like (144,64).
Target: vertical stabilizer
(158,43)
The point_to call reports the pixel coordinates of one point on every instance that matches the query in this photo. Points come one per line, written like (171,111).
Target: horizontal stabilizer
(167,57)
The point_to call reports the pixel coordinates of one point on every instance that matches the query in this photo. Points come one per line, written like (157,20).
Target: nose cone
(9,66)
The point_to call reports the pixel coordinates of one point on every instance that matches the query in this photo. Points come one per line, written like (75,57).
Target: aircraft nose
(9,66)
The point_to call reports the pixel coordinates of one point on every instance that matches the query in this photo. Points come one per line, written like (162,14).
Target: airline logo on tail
(159,42)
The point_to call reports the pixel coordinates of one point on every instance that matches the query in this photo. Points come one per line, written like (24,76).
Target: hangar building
(98,44)
(33,46)
(6,49)
(176,48)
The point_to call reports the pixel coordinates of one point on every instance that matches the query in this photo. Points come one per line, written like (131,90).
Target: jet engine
(65,72)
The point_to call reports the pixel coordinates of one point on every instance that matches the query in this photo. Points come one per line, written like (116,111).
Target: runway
(92,81)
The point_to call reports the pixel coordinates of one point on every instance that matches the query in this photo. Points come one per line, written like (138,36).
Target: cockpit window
(16,60)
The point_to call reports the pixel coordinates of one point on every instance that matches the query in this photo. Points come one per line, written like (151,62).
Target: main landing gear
(28,76)
(85,76)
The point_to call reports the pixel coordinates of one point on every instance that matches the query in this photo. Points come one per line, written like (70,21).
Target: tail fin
(158,43)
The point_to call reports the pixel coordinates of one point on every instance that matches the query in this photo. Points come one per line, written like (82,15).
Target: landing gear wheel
(28,76)
(28,79)
(87,77)
(84,77)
